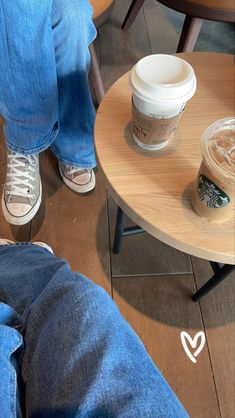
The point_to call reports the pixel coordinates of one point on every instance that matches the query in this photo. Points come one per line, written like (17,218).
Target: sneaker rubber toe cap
(18,209)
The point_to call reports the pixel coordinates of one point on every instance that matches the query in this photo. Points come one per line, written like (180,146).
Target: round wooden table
(154,188)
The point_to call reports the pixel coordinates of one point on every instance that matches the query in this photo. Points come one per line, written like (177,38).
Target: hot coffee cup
(161,85)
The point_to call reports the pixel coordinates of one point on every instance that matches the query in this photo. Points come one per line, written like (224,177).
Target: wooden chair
(195,10)
(102,9)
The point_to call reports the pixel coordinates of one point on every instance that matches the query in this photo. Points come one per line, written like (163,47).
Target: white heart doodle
(193,343)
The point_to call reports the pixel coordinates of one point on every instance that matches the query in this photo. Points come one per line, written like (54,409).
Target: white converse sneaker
(43,245)
(80,180)
(4,241)
(22,193)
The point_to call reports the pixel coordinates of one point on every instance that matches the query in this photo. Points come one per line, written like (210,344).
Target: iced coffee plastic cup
(214,189)
(161,85)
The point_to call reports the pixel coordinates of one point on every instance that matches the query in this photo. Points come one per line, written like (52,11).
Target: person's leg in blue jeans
(45,98)
(81,359)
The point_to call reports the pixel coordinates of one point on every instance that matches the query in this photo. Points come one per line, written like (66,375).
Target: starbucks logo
(210,194)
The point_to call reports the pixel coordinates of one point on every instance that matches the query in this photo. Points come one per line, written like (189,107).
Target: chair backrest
(214,4)
(100,7)
(220,10)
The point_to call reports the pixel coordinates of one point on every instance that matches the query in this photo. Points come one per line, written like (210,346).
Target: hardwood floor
(150,281)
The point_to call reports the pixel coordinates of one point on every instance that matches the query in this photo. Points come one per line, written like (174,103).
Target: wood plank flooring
(151,282)
(158,308)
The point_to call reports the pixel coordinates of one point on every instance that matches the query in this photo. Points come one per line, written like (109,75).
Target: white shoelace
(19,183)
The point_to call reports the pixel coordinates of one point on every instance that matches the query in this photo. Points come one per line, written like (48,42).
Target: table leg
(121,231)
(119,228)
(215,266)
(217,278)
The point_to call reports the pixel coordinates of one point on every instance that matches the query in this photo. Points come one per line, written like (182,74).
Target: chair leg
(95,76)
(188,38)
(132,13)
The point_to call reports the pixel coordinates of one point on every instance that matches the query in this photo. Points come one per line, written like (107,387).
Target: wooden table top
(154,187)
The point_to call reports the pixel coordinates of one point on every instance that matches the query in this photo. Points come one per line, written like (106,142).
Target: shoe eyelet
(33,196)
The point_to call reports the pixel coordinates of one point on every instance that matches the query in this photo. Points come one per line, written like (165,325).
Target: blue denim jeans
(44,64)
(76,355)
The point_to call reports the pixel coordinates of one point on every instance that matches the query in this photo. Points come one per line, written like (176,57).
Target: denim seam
(18,244)
(24,244)
(36,150)
(16,346)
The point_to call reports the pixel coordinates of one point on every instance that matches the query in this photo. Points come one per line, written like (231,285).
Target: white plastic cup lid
(163,78)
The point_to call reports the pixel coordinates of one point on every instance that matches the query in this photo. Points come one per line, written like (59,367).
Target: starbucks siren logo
(210,194)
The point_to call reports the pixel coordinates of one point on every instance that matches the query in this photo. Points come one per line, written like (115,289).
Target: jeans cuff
(76,164)
(36,150)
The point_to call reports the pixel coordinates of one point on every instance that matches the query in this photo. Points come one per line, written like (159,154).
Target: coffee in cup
(161,85)
(214,189)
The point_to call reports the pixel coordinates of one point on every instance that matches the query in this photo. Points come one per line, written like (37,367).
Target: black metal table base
(121,231)
(220,272)
(214,281)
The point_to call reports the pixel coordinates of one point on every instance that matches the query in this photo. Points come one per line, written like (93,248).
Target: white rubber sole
(78,188)
(43,245)
(4,241)
(22,220)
